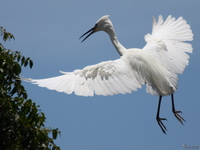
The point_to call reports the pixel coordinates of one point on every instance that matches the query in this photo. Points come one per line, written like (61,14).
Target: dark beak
(91,31)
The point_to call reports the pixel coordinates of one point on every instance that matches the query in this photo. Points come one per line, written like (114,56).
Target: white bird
(156,65)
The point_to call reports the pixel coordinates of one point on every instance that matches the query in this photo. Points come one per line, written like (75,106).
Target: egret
(157,65)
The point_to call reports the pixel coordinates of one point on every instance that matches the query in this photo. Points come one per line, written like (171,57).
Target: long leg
(176,113)
(159,120)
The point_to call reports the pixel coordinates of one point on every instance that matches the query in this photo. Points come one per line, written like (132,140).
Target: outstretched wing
(166,42)
(106,78)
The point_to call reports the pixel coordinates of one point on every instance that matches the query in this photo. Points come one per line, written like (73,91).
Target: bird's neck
(119,47)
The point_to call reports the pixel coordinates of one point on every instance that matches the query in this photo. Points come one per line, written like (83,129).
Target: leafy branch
(21,120)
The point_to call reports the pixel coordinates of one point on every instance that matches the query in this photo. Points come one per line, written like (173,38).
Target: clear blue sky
(49,31)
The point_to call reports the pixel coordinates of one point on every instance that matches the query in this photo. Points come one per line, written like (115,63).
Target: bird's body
(152,72)
(156,65)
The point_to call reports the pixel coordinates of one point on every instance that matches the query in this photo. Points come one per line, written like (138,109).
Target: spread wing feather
(167,44)
(105,78)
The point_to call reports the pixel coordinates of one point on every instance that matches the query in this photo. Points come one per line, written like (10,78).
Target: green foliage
(21,121)
(6,35)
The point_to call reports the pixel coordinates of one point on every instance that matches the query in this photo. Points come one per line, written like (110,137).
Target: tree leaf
(30,63)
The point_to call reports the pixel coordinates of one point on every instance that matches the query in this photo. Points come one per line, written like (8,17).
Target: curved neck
(119,47)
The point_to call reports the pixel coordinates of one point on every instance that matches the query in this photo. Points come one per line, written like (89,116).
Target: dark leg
(176,113)
(159,120)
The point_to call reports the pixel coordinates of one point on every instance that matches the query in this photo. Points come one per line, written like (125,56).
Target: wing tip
(25,79)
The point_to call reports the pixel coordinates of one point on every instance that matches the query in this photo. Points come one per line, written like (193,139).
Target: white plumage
(156,64)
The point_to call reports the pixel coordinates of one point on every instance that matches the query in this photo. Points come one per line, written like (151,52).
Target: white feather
(156,65)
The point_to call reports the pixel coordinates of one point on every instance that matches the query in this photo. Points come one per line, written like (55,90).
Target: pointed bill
(91,31)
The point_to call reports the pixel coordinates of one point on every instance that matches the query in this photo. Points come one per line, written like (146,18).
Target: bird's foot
(178,117)
(161,124)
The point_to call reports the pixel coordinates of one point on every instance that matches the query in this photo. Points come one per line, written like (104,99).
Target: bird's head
(103,24)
